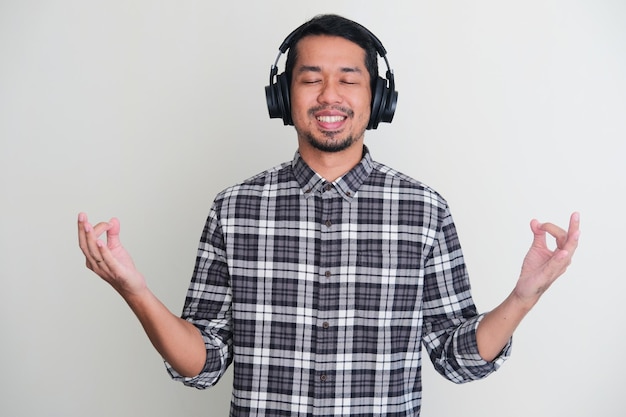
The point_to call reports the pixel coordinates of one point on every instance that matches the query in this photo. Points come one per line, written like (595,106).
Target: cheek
(367,108)
(367,102)
(297,103)
(299,111)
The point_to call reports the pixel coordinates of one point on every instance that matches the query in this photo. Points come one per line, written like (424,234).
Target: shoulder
(255,185)
(387,179)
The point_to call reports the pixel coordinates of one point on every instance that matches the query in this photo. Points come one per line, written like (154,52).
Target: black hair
(334,25)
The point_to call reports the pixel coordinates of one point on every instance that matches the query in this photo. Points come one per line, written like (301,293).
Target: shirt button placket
(327,188)
(326,307)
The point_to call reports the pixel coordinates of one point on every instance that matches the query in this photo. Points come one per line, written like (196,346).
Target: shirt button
(328,223)
(325,325)
(327,274)
(323,378)
(328,187)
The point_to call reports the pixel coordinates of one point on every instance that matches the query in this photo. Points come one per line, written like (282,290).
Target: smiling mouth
(330,119)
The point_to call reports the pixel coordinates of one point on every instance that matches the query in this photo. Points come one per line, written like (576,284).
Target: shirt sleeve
(450,316)
(208,306)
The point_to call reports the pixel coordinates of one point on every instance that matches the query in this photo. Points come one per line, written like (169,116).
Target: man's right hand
(178,341)
(109,259)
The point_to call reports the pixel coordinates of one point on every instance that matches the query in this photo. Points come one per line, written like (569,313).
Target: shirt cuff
(467,349)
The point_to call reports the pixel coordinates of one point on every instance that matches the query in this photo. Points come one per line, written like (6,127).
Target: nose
(329,93)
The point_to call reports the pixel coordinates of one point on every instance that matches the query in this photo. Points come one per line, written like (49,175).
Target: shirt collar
(347,185)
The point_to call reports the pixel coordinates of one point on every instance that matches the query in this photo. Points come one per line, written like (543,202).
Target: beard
(330,142)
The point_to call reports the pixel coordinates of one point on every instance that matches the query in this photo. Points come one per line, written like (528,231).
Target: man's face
(330,93)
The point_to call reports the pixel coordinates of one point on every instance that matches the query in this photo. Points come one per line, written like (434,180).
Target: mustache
(349,112)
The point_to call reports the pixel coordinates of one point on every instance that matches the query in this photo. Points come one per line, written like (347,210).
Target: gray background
(144,110)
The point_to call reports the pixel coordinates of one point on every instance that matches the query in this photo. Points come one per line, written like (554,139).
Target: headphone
(384,95)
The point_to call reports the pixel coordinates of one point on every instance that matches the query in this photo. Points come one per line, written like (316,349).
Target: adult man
(321,278)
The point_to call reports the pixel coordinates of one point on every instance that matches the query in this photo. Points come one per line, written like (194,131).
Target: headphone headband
(384,95)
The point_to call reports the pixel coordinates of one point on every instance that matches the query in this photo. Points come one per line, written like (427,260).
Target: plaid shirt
(323,293)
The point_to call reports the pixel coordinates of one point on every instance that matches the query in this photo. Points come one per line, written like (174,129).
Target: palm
(542,266)
(533,279)
(110,261)
(124,275)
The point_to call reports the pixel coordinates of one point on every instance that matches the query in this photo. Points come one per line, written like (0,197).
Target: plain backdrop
(144,110)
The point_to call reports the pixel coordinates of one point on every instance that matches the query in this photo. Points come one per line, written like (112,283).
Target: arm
(450,316)
(541,267)
(178,341)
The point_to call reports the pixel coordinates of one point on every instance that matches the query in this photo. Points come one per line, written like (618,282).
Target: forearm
(497,327)
(178,341)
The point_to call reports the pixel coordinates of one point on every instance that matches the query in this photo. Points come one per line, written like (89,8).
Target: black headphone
(384,95)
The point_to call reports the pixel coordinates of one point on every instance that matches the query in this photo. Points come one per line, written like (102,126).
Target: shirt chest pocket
(373,256)
(382,283)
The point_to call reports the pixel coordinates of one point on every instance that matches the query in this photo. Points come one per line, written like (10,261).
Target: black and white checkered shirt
(323,293)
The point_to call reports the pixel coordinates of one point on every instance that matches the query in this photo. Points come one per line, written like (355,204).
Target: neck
(331,165)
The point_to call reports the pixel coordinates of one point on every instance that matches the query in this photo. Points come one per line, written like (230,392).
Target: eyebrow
(315,68)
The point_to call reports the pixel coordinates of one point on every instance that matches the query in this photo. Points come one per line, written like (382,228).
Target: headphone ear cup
(390,106)
(283,98)
(277,97)
(270,97)
(379,98)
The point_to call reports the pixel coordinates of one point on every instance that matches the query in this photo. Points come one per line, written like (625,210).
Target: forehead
(324,50)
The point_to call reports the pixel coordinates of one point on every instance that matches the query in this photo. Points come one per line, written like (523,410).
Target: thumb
(537,228)
(113,233)
(539,237)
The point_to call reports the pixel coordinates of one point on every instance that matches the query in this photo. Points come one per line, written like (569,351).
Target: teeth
(330,119)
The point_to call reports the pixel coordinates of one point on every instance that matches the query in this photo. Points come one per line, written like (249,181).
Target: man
(321,278)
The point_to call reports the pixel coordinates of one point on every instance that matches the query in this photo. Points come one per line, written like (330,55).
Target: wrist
(523,302)
(136,296)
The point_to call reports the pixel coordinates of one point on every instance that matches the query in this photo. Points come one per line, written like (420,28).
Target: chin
(330,145)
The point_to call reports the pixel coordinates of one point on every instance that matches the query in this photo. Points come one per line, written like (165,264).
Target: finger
(92,252)
(95,264)
(566,240)
(82,218)
(573,232)
(100,228)
(539,238)
(555,231)
(557,264)
(108,262)
(104,258)
(83,228)
(574,224)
